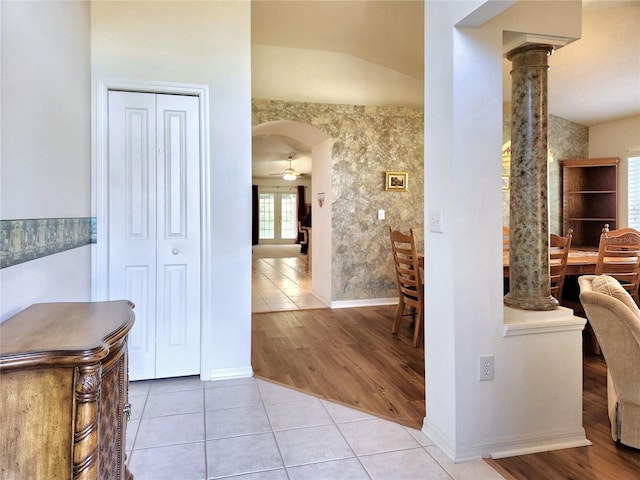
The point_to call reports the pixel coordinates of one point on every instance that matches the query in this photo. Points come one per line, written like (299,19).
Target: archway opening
(274,140)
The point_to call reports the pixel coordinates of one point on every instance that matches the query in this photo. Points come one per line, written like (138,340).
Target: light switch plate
(436,220)
(380,214)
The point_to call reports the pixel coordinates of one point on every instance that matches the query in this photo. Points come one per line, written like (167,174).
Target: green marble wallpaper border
(23,240)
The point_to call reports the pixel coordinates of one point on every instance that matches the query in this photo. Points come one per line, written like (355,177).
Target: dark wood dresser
(63,391)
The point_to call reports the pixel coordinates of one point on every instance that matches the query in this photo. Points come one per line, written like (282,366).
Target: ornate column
(529,287)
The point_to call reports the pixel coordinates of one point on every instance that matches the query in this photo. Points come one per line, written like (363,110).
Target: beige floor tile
(243,395)
(242,455)
(367,437)
(302,446)
(348,469)
(233,422)
(174,403)
(253,428)
(304,413)
(170,430)
(184,462)
(403,465)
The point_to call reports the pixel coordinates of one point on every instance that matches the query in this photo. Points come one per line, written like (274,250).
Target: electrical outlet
(486,367)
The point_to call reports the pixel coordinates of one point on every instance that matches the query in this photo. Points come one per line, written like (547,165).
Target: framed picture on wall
(396,181)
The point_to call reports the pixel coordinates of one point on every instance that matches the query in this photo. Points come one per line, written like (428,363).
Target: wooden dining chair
(619,257)
(303,236)
(410,289)
(558,257)
(505,238)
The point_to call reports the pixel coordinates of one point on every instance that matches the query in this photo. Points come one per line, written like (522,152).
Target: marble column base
(531,303)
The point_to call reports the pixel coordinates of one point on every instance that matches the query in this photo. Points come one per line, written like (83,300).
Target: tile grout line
(356,456)
(273,433)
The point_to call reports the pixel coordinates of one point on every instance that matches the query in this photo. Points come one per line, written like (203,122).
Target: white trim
(529,38)
(99,192)
(508,446)
(539,443)
(633,190)
(369,302)
(229,373)
(528,322)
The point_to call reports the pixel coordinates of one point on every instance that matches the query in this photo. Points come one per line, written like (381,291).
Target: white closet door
(154,228)
(178,244)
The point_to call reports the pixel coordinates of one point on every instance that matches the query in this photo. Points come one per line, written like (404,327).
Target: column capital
(534,48)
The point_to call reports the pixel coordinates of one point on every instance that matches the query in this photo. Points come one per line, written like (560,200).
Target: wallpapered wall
(565,140)
(368,142)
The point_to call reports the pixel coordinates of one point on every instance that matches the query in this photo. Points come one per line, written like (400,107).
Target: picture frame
(396,181)
(505,182)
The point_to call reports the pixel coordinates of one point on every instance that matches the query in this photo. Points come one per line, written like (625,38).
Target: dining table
(581,261)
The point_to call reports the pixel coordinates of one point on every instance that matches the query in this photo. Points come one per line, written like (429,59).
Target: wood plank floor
(349,356)
(345,355)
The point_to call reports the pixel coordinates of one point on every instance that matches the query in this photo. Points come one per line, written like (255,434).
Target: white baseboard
(229,373)
(507,447)
(369,302)
(540,443)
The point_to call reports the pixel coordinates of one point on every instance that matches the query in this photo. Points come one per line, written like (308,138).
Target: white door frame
(277,223)
(100,192)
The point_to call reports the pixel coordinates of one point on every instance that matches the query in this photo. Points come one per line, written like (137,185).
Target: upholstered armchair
(615,319)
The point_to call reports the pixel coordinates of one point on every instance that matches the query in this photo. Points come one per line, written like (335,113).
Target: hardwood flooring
(349,356)
(345,355)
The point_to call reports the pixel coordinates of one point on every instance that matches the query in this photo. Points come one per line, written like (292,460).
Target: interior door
(278,218)
(154,228)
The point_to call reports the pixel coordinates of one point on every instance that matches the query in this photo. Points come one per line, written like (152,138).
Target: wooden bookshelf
(589,198)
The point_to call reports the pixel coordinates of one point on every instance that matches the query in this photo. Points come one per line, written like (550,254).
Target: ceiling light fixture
(290,174)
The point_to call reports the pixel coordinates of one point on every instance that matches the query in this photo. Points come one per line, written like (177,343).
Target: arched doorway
(320,146)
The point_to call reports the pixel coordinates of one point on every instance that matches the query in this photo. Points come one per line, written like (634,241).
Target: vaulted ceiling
(593,80)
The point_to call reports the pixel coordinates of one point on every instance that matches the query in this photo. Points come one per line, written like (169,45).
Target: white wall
(617,139)
(204,43)
(45,159)
(295,74)
(532,403)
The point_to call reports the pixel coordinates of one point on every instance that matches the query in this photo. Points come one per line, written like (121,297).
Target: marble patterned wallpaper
(369,141)
(565,140)
(25,240)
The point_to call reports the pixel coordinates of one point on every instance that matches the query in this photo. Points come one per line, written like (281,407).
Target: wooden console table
(63,391)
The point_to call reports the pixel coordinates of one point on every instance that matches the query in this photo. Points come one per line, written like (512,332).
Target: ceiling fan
(289,174)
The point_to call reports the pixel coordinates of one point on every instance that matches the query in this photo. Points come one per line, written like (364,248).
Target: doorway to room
(284,277)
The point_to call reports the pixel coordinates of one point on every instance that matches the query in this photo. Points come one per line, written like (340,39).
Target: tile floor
(281,284)
(250,429)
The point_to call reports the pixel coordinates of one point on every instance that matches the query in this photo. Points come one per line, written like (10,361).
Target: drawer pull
(127,411)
